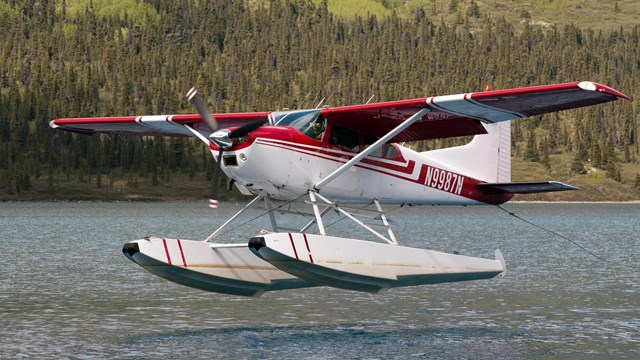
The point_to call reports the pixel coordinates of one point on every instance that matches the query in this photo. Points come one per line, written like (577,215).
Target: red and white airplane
(336,156)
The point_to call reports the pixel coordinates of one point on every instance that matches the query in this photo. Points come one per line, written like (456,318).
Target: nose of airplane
(130,248)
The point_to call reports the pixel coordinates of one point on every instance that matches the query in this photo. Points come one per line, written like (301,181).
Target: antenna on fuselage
(315,98)
(371,98)
(305,99)
(326,99)
(334,91)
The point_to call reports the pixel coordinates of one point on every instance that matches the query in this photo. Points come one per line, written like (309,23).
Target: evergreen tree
(577,167)
(56,61)
(531,150)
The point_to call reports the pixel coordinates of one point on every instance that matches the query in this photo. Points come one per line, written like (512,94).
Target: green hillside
(594,14)
(96,58)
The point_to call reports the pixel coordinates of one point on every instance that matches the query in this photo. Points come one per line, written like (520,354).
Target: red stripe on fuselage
(407,168)
(401,165)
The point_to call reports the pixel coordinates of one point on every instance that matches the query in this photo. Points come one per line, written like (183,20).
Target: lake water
(66,290)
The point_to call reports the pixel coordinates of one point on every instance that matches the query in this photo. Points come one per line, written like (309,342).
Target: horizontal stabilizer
(527,187)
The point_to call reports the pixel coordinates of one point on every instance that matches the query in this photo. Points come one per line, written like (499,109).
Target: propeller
(246,129)
(196,100)
(222,138)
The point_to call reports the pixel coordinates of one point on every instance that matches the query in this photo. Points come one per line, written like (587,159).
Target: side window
(386,150)
(343,137)
(390,151)
(368,140)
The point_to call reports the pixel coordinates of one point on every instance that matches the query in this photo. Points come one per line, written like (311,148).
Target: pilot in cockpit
(317,128)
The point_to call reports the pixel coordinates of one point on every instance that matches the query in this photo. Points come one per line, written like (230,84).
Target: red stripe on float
(166,250)
(308,250)
(294,246)
(182,253)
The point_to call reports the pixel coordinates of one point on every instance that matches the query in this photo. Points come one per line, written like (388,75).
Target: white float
(224,268)
(368,266)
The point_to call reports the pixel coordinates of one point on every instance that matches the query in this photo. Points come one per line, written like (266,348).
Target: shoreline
(185,200)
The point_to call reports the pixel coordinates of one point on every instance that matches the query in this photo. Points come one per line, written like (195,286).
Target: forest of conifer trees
(270,55)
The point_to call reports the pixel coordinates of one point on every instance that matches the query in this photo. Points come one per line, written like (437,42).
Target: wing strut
(381,217)
(204,139)
(245,208)
(375,146)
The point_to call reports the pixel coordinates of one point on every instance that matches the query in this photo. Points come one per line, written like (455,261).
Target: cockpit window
(308,122)
(296,119)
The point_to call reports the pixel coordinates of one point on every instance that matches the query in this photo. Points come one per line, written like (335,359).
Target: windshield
(297,119)
(308,122)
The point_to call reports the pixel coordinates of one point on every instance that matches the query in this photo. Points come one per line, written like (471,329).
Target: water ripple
(66,291)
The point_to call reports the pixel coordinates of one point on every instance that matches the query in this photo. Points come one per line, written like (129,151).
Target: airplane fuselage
(285,163)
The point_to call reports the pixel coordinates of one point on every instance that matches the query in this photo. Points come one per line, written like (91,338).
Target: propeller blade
(196,100)
(245,129)
(207,117)
(216,175)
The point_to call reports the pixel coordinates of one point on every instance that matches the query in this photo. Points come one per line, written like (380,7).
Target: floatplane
(328,159)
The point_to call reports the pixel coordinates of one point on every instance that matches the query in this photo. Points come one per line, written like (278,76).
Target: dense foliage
(141,57)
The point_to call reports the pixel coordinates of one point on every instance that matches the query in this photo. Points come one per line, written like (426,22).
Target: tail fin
(487,157)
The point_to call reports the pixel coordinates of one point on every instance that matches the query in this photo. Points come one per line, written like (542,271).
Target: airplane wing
(447,116)
(463,114)
(157,125)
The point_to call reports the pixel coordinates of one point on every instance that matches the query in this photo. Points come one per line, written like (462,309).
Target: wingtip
(593,86)
(563,186)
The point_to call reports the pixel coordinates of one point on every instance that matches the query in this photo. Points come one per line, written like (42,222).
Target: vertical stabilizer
(487,157)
